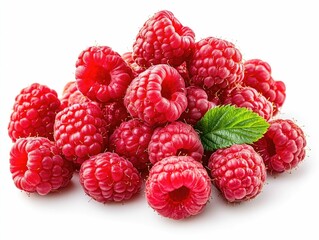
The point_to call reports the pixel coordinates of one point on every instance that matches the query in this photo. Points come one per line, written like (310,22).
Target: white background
(40,42)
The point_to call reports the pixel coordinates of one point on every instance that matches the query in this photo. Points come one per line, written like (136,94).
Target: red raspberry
(238,172)
(283,145)
(78,97)
(102,74)
(37,166)
(80,131)
(163,40)
(178,187)
(157,95)
(72,95)
(183,71)
(198,105)
(136,69)
(258,75)
(215,64)
(175,139)
(34,112)
(250,98)
(107,177)
(68,89)
(130,140)
(114,114)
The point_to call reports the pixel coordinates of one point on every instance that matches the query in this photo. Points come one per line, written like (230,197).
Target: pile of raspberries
(127,121)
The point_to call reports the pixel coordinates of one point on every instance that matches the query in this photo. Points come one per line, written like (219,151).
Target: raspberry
(283,146)
(175,139)
(157,95)
(258,75)
(215,64)
(69,88)
(198,105)
(183,71)
(80,131)
(250,98)
(102,74)
(178,187)
(37,166)
(136,69)
(114,114)
(34,111)
(78,97)
(163,40)
(72,95)
(238,172)
(107,177)
(130,140)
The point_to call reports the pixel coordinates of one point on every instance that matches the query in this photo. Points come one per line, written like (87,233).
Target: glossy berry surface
(37,166)
(178,187)
(163,40)
(107,177)
(102,74)
(175,139)
(34,112)
(283,146)
(157,95)
(80,131)
(238,172)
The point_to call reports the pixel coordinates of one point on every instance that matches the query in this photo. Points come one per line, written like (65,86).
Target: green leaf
(226,125)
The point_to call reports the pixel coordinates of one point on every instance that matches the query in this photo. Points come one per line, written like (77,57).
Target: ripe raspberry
(215,64)
(283,145)
(136,69)
(250,98)
(34,112)
(37,166)
(72,95)
(102,74)
(238,172)
(107,177)
(130,140)
(114,114)
(175,139)
(163,40)
(178,187)
(198,105)
(80,131)
(68,89)
(78,97)
(157,95)
(258,75)
(183,71)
